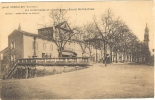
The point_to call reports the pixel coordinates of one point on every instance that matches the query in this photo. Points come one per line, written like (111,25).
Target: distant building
(146,37)
(4,58)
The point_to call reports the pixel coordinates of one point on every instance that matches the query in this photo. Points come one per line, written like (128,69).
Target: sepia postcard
(77,50)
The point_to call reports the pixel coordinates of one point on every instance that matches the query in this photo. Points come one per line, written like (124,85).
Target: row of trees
(105,33)
(114,35)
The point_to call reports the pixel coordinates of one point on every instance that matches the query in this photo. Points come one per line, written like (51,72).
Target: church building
(146,37)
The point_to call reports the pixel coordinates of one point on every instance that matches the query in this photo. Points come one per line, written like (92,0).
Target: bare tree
(85,33)
(80,38)
(104,29)
(61,32)
(90,37)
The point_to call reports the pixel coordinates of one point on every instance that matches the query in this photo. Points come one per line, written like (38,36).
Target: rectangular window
(44,46)
(11,57)
(50,55)
(51,47)
(12,45)
(46,55)
(14,58)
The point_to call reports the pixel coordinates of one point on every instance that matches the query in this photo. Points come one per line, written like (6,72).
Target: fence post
(45,62)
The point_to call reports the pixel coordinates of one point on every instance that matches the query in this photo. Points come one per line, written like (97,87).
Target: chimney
(19,28)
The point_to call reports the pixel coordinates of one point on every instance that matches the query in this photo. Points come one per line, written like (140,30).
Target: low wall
(27,66)
(41,70)
(22,72)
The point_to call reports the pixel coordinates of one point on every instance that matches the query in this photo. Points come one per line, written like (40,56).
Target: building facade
(23,44)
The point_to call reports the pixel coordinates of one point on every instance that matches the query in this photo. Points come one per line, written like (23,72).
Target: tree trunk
(60,53)
(110,55)
(113,58)
(90,56)
(130,57)
(96,55)
(124,57)
(105,54)
(116,56)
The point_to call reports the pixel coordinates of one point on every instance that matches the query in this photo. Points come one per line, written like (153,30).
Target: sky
(134,13)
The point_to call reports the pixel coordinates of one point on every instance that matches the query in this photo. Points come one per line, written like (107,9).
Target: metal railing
(12,70)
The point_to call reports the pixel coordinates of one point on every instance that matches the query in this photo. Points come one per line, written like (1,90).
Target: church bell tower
(146,37)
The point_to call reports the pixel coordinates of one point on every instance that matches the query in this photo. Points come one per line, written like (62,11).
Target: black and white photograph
(77,50)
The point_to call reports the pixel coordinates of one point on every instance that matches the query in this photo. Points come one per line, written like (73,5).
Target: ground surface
(114,81)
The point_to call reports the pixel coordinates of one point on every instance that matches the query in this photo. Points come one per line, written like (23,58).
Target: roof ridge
(4,49)
(26,32)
